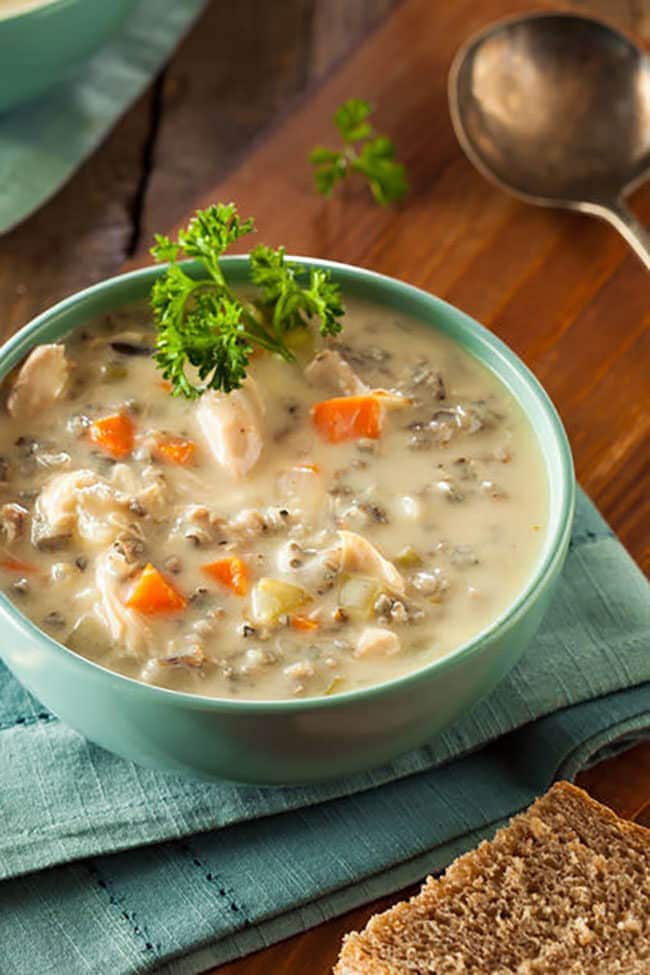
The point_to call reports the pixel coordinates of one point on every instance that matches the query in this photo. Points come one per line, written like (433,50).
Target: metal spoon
(555,108)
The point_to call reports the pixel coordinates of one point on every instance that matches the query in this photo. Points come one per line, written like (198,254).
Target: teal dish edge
(288,742)
(42,46)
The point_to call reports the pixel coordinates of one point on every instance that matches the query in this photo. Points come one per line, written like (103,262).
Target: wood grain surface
(562,290)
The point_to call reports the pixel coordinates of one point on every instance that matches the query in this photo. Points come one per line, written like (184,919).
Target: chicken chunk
(55,512)
(315,569)
(303,489)
(147,489)
(377,641)
(231,424)
(41,381)
(79,503)
(358,555)
(154,498)
(127,629)
(102,513)
(329,369)
(13,518)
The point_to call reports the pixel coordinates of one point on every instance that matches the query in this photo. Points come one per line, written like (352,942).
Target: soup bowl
(41,43)
(308,739)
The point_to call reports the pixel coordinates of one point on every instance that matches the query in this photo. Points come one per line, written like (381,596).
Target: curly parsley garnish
(203,324)
(363,152)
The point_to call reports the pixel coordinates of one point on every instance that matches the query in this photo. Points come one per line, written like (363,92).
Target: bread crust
(603,812)
(355,960)
(359,950)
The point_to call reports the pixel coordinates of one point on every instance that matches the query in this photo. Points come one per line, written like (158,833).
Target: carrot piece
(176,450)
(166,385)
(10,564)
(303,623)
(311,468)
(151,593)
(348,418)
(230,572)
(113,434)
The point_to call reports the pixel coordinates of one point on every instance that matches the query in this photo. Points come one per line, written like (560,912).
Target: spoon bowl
(555,108)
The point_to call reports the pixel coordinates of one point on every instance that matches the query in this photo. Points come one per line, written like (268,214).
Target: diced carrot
(230,572)
(176,450)
(151,593)
(113,434)
(10,564)
(303,623)
(348,418)
(166,385)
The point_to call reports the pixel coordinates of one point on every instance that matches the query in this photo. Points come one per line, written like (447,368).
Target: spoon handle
(632,230)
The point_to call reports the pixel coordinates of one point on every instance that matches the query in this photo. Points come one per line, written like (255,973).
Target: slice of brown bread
(563,890)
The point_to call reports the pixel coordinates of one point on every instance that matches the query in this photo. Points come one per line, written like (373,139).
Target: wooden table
(561,289)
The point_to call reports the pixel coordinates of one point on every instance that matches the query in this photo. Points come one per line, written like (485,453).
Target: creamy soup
(334,523)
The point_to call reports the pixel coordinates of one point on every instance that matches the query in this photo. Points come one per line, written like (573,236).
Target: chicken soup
(337,521)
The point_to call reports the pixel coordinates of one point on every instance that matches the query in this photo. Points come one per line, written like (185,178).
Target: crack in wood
(147,165)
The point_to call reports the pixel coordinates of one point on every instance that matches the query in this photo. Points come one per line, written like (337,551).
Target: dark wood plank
(336,25)
(619,783)
(230,78)
(83,234)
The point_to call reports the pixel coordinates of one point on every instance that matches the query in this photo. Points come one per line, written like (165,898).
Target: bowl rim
(556,536)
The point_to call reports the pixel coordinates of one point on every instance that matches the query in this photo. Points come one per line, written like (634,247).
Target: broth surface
(300,566)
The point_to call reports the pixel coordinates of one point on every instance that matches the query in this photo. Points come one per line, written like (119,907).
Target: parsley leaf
(363,152)
(205,331)
(386,177)
(295,293)
(351,119)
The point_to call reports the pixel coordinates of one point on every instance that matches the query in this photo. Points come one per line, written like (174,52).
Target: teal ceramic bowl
(42,44)
(296,741)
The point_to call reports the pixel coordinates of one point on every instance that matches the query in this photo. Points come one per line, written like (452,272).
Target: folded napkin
(206,873)
(43,142)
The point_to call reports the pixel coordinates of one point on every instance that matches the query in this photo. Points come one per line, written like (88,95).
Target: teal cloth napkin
(44,141)
(108,867)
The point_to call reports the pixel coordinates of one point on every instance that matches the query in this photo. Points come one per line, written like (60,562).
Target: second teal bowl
(43,45)
(296,741)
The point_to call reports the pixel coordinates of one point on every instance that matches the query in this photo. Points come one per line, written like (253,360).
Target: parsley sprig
(364,151)
(203,324)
